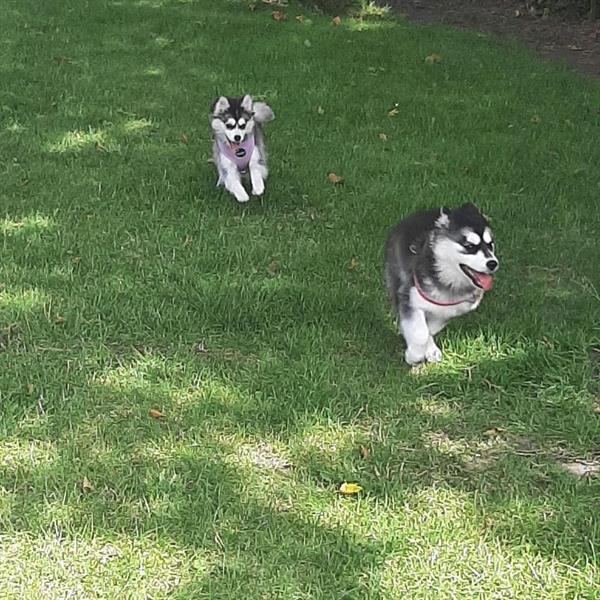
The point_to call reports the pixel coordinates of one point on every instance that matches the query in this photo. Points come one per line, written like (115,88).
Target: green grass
(118,258)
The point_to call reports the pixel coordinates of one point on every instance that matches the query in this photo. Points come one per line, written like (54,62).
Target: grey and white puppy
(239,144)
(438,265)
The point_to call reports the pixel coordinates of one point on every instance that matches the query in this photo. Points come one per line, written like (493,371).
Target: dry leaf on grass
(320,110)
(278,16)
(433,58)
(184,139)
(353,264)
(299,18)
(59,320)
(536,119)
(364,452)
(86,485)
(350,489)
(393,112)
(156,414)
(336,21)
(383,137)
(494,431)
(596,409)
(336,179)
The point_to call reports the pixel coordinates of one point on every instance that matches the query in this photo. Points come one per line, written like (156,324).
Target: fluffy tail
(263,112)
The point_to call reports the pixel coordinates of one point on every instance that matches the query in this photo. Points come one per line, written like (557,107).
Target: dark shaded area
(566,35)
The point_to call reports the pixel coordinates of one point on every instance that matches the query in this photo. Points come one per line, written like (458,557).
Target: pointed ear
(247,103)
(443,220)
(220,105)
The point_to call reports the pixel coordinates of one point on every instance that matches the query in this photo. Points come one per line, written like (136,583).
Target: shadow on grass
(300,384)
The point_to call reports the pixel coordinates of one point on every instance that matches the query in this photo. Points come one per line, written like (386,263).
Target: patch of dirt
(567,35)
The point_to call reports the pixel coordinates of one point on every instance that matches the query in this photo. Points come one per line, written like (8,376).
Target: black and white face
(479,262)
(233,118)
(464,249)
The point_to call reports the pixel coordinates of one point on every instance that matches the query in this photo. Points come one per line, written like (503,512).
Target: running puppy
(438,265)
(239,145)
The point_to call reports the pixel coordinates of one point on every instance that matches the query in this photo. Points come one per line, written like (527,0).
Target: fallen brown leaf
(353,265)
(393,112)
(184,139)
(536,119)
(252,7)
(320,110)
(364,452)
(335,179)
(86,485)
(433,58)
(494,431)
(336,21)
(156,414)
(299,18)
(383,136)
(278,16)
(59,320)
(596,409)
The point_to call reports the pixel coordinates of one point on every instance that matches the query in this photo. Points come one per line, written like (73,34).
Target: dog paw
(258,189)
(413,358)
(433,354)
(242,197)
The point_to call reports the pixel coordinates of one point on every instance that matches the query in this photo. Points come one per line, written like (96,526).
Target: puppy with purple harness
(239,145)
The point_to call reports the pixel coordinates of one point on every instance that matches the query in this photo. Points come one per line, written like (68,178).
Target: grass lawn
(262,332)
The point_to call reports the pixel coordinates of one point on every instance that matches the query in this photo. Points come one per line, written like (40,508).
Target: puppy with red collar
(239,144)
(438,265)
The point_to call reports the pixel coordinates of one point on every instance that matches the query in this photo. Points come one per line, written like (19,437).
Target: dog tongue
(484,280)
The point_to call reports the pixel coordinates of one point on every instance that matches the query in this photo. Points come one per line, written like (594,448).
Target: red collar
(426,297)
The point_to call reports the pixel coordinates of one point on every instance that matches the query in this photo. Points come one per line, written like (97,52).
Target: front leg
(432,353)
(233,181)
(416,333)
(258,174)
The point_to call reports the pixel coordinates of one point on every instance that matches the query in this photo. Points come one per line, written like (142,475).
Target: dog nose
(237,137)
(492,265)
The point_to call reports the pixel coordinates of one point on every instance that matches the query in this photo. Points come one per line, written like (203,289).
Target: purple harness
(240,154)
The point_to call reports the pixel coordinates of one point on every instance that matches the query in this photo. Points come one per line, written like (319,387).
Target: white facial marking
(242,122)
(472,238)
(487,235)
(449,255)
(230,122)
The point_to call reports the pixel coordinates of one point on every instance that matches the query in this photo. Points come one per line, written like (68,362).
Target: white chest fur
(444,313)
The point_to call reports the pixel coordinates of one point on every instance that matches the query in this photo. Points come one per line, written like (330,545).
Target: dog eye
(469,247)
(242,125)
(229,125)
